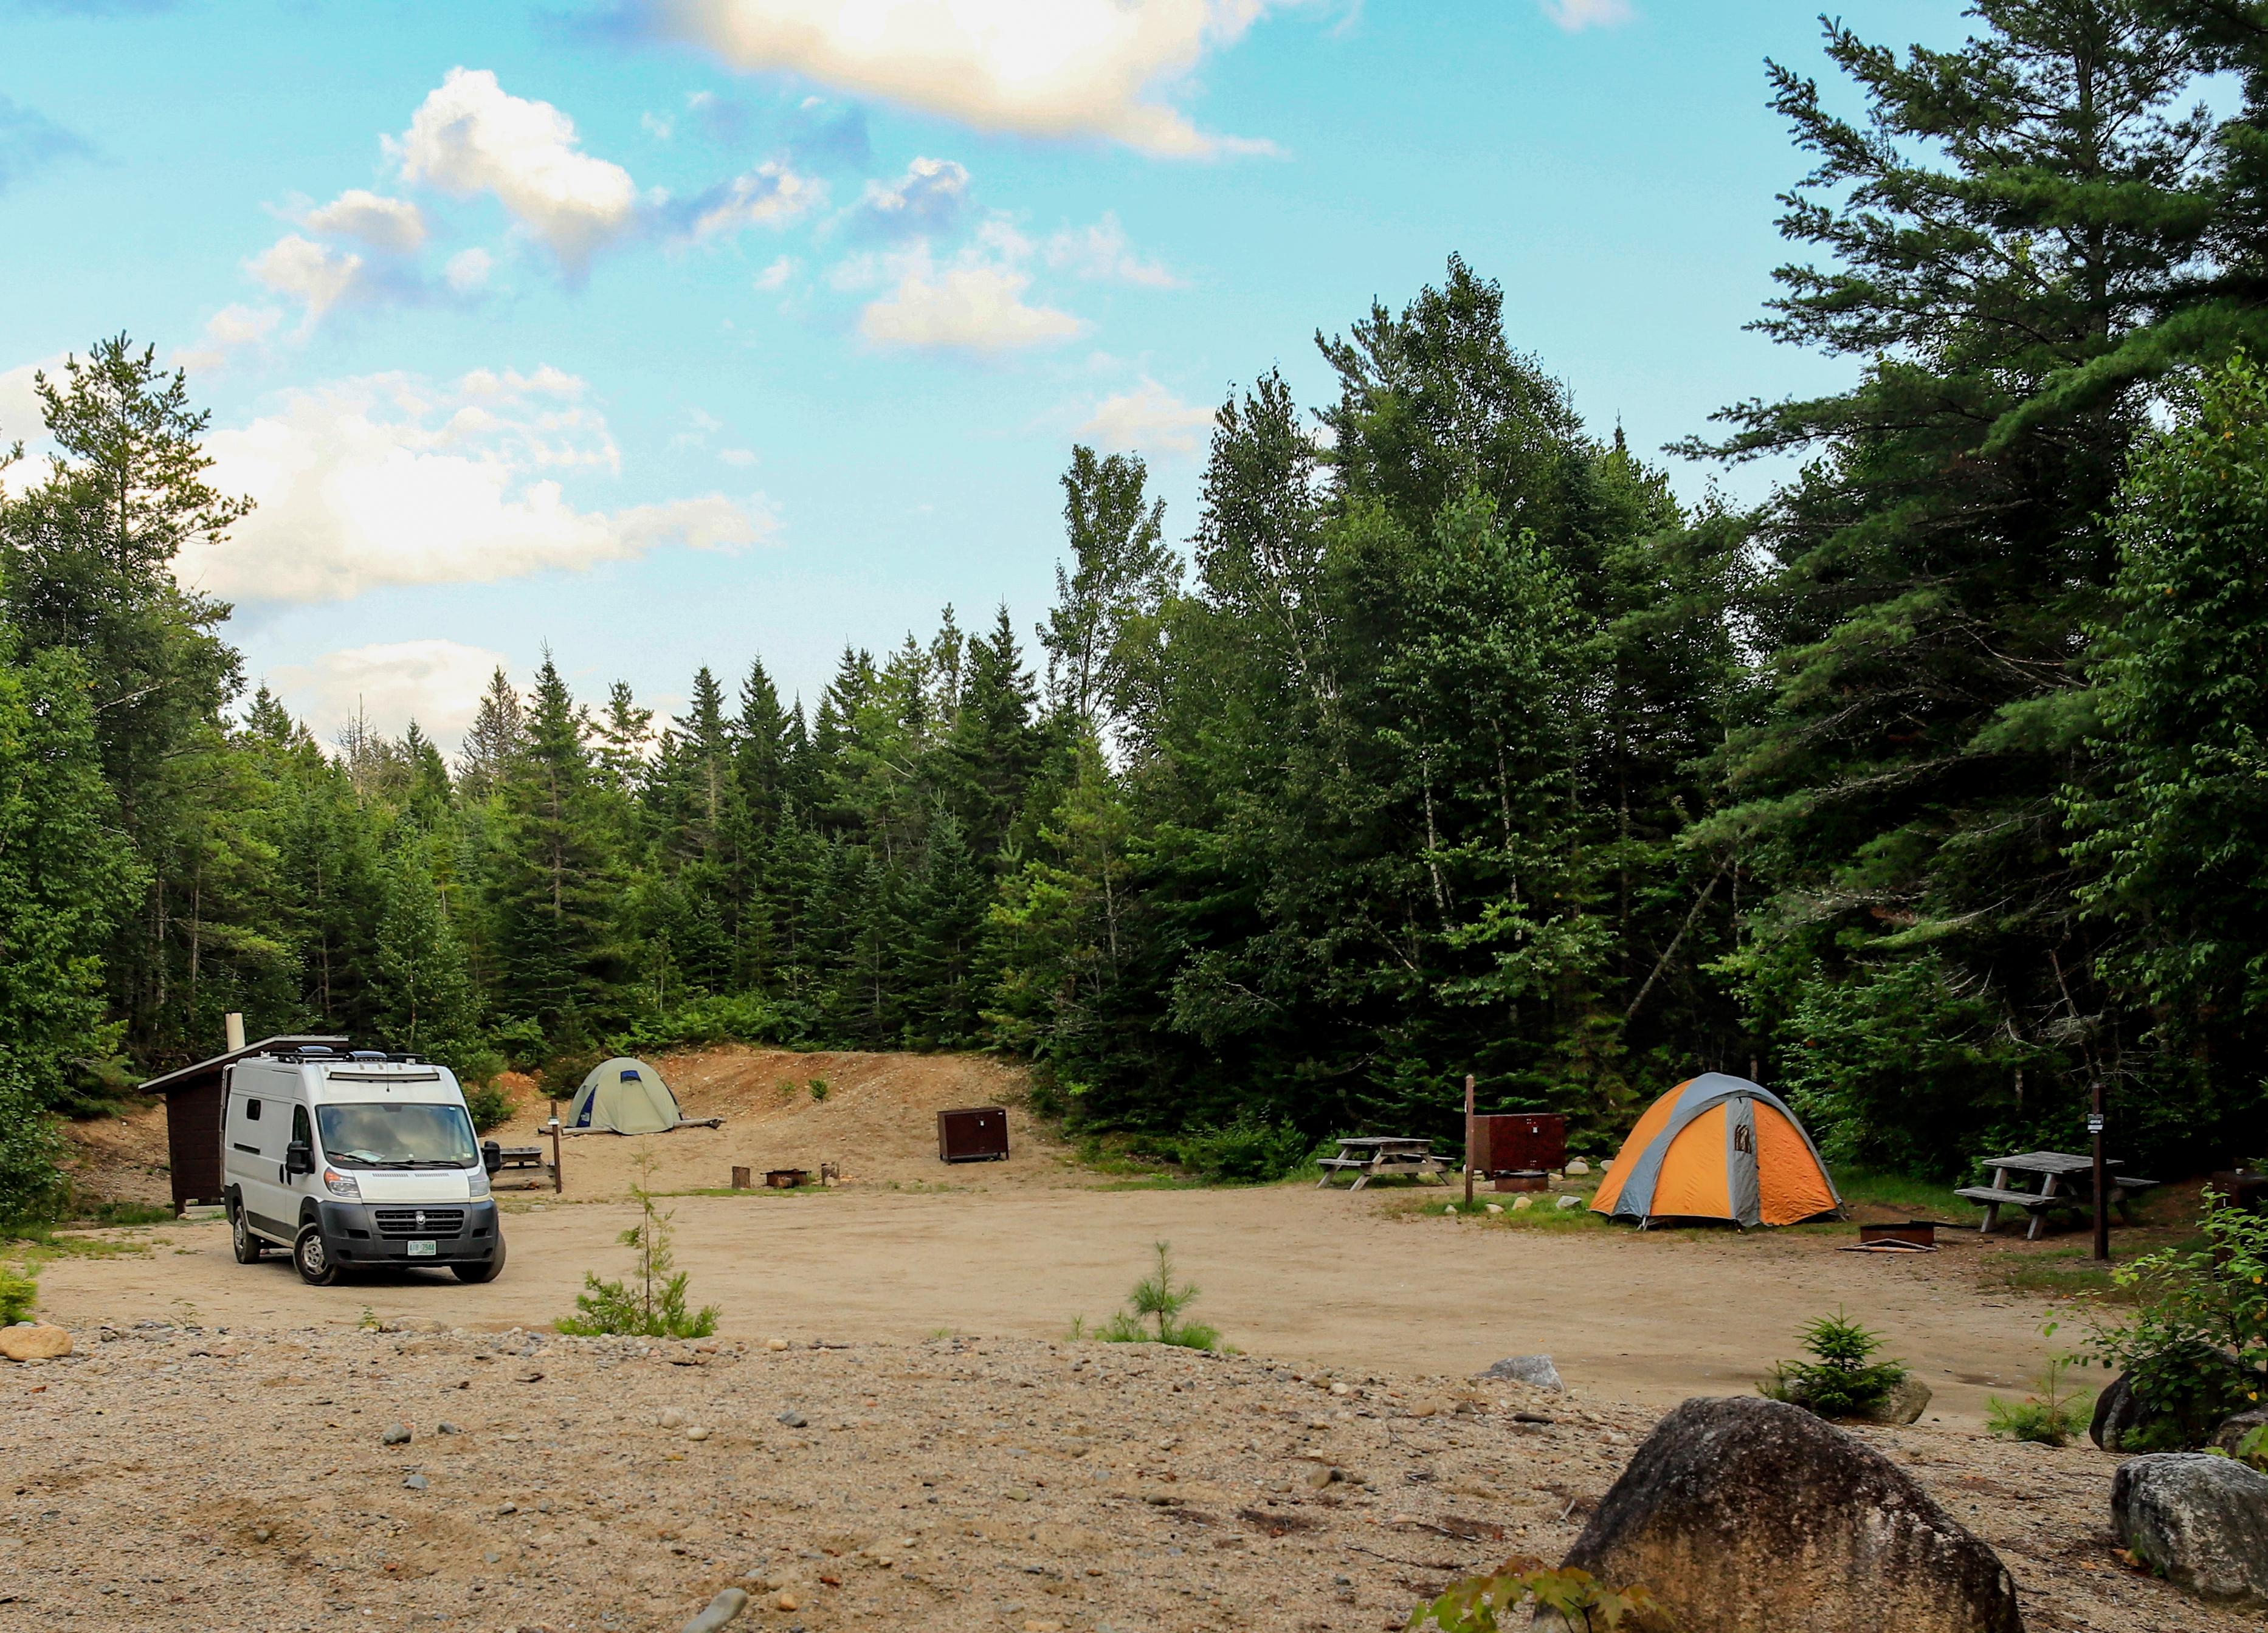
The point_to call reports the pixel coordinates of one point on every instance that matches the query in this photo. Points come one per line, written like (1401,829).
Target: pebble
(1567,1203)
(418,1483)
(774,1343)
(696,1433)
(672,1418)
(1576,1169)
(1322,1474)
(794,1420)
(787,1601)
(1522,1204)
(445,1427)
(1494,1207)
(398,1435)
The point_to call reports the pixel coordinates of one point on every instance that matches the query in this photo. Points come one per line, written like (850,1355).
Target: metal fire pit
(785,1179)
(1908,1236)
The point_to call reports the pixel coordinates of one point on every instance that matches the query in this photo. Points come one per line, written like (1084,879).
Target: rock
(1322,1474)
(445,1427)
(1576,1169)
(398,1435)
(696,1433)
(787,1601)
(1905,1404)
(672,1418)
(1567,1203)
(1752,1516)
(1522,1204)
(728,1604)
(1528,1369)
(2233,1431)
(418,1483)
(1493,1207)
(794,1419)
(35,1340)
(2118,1414)
(2200,1519)
(1341,1389)
(774,1343)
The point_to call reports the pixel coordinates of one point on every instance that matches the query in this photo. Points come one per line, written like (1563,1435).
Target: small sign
(424,1250)
(2094,1122)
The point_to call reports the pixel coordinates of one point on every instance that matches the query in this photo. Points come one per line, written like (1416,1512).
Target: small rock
(1576,1169)
(1433,1406)
(1907,1400)
(794,1419)
(418,1483)
(1494,1207)
(672,1418)
(2201,1520)
(787,1601)
(398,1435)
(1522,1204)
(509,1508)
(707,1346)
(492,1558)
(696,1433)
(261,1533)
(774,1343)
(445,1427)
(35,1340)
(1567,1203)
(1744,1514)
(1322,1474)
(728,1604)
(1535,1370)
(1341,1389)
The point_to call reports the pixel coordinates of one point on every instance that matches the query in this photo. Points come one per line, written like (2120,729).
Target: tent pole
(1469,1140)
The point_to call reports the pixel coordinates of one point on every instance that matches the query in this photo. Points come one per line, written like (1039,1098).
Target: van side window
(251,1109)
(301,1133)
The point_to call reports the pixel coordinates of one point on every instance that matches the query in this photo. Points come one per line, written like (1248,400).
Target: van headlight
(341,1184)
(476,1182)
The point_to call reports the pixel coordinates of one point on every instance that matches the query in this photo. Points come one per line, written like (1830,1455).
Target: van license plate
(424,1250)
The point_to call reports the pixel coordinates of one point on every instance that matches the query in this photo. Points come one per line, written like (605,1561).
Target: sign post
(2102,1181)
(1469,1140)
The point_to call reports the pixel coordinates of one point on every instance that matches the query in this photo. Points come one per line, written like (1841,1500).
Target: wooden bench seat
(2030,1200)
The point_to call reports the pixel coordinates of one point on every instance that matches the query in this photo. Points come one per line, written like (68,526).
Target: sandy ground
(176,1480)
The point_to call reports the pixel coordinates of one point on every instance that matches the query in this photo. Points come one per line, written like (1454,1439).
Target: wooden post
(558,1176)
(2102,1181)
(1468,1139)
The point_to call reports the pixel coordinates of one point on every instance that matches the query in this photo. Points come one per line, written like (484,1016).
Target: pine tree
(426,1000)
(497,735)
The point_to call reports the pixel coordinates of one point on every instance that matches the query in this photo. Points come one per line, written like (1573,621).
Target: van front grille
(397,1222)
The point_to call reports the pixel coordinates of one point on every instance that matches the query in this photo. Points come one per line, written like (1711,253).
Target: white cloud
(394,225)
(390,480)
(660,127)
(972,304)
(774,277)
(314,275)
(1575,15)
(1102,251)
(469,135)
(1149,419)
(927,199)
(1043,68)
(770,195)
(467,271)
(436,683)
(227,332)
(739,459)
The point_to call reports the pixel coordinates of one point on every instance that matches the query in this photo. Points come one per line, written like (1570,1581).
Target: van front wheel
(248,1246)
(477,1273)
(313,1263)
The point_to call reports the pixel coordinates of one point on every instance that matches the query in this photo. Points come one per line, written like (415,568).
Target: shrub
(2048,1416)
(1842,1379)
(2253,1448)
(1526,1587)
(565,1074)
(2196,1349)
(31,1153)
(1250,1149)
(725,1017)
(819,1089)
(652,1302)
(490,1106)
(19,1293)
(1155,1298)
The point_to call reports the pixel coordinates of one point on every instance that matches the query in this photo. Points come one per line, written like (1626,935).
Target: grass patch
(1542,1212)
(752,1190)
(125,1213)
(1903,1194)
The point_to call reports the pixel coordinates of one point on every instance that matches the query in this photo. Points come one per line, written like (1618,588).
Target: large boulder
(35,1340)
(2118,1414)
(2232,1432)
(1752,1516)
(2200,1519)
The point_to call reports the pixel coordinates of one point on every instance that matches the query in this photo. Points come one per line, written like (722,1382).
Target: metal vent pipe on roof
(234,1021)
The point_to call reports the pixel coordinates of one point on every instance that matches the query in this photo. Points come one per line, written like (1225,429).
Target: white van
(356,1158)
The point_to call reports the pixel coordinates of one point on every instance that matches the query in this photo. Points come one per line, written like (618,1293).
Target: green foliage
(1246,1150)
(1842,1380)
(2252,1448)
(19,1296)
(30,1150)
(1153,1312)
(818,1088)
(2195,1349)
(1525,1588)
(2051,1415)
(490,1106)
(652,1302)
(711,1017)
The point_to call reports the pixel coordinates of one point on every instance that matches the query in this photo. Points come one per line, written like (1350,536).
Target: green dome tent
(625,1096)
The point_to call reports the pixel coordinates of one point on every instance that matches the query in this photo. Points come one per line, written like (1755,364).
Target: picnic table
(2052,1167)
(1375,1155)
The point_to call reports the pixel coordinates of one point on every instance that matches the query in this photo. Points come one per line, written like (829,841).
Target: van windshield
(389,1135)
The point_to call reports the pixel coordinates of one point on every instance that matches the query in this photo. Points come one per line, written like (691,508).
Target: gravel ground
(170,1478)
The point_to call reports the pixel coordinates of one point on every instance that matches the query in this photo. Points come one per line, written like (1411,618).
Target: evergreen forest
(1443,737)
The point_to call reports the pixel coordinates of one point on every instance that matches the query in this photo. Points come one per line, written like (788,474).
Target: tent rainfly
(1718,1147)
(624,1096)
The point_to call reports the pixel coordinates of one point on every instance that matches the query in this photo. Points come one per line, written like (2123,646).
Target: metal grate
(420,1221)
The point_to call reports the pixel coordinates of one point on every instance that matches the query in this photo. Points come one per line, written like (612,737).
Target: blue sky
(672,332)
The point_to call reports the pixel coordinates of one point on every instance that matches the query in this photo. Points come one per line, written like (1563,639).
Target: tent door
(1741,1160)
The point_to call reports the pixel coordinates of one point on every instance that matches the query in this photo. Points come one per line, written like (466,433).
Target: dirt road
(1290,1273)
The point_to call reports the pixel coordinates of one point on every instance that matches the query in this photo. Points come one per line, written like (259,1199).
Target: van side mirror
(491,1156)
(298,1157)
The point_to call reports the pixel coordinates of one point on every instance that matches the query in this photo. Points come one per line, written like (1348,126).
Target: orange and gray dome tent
(1718,1147)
